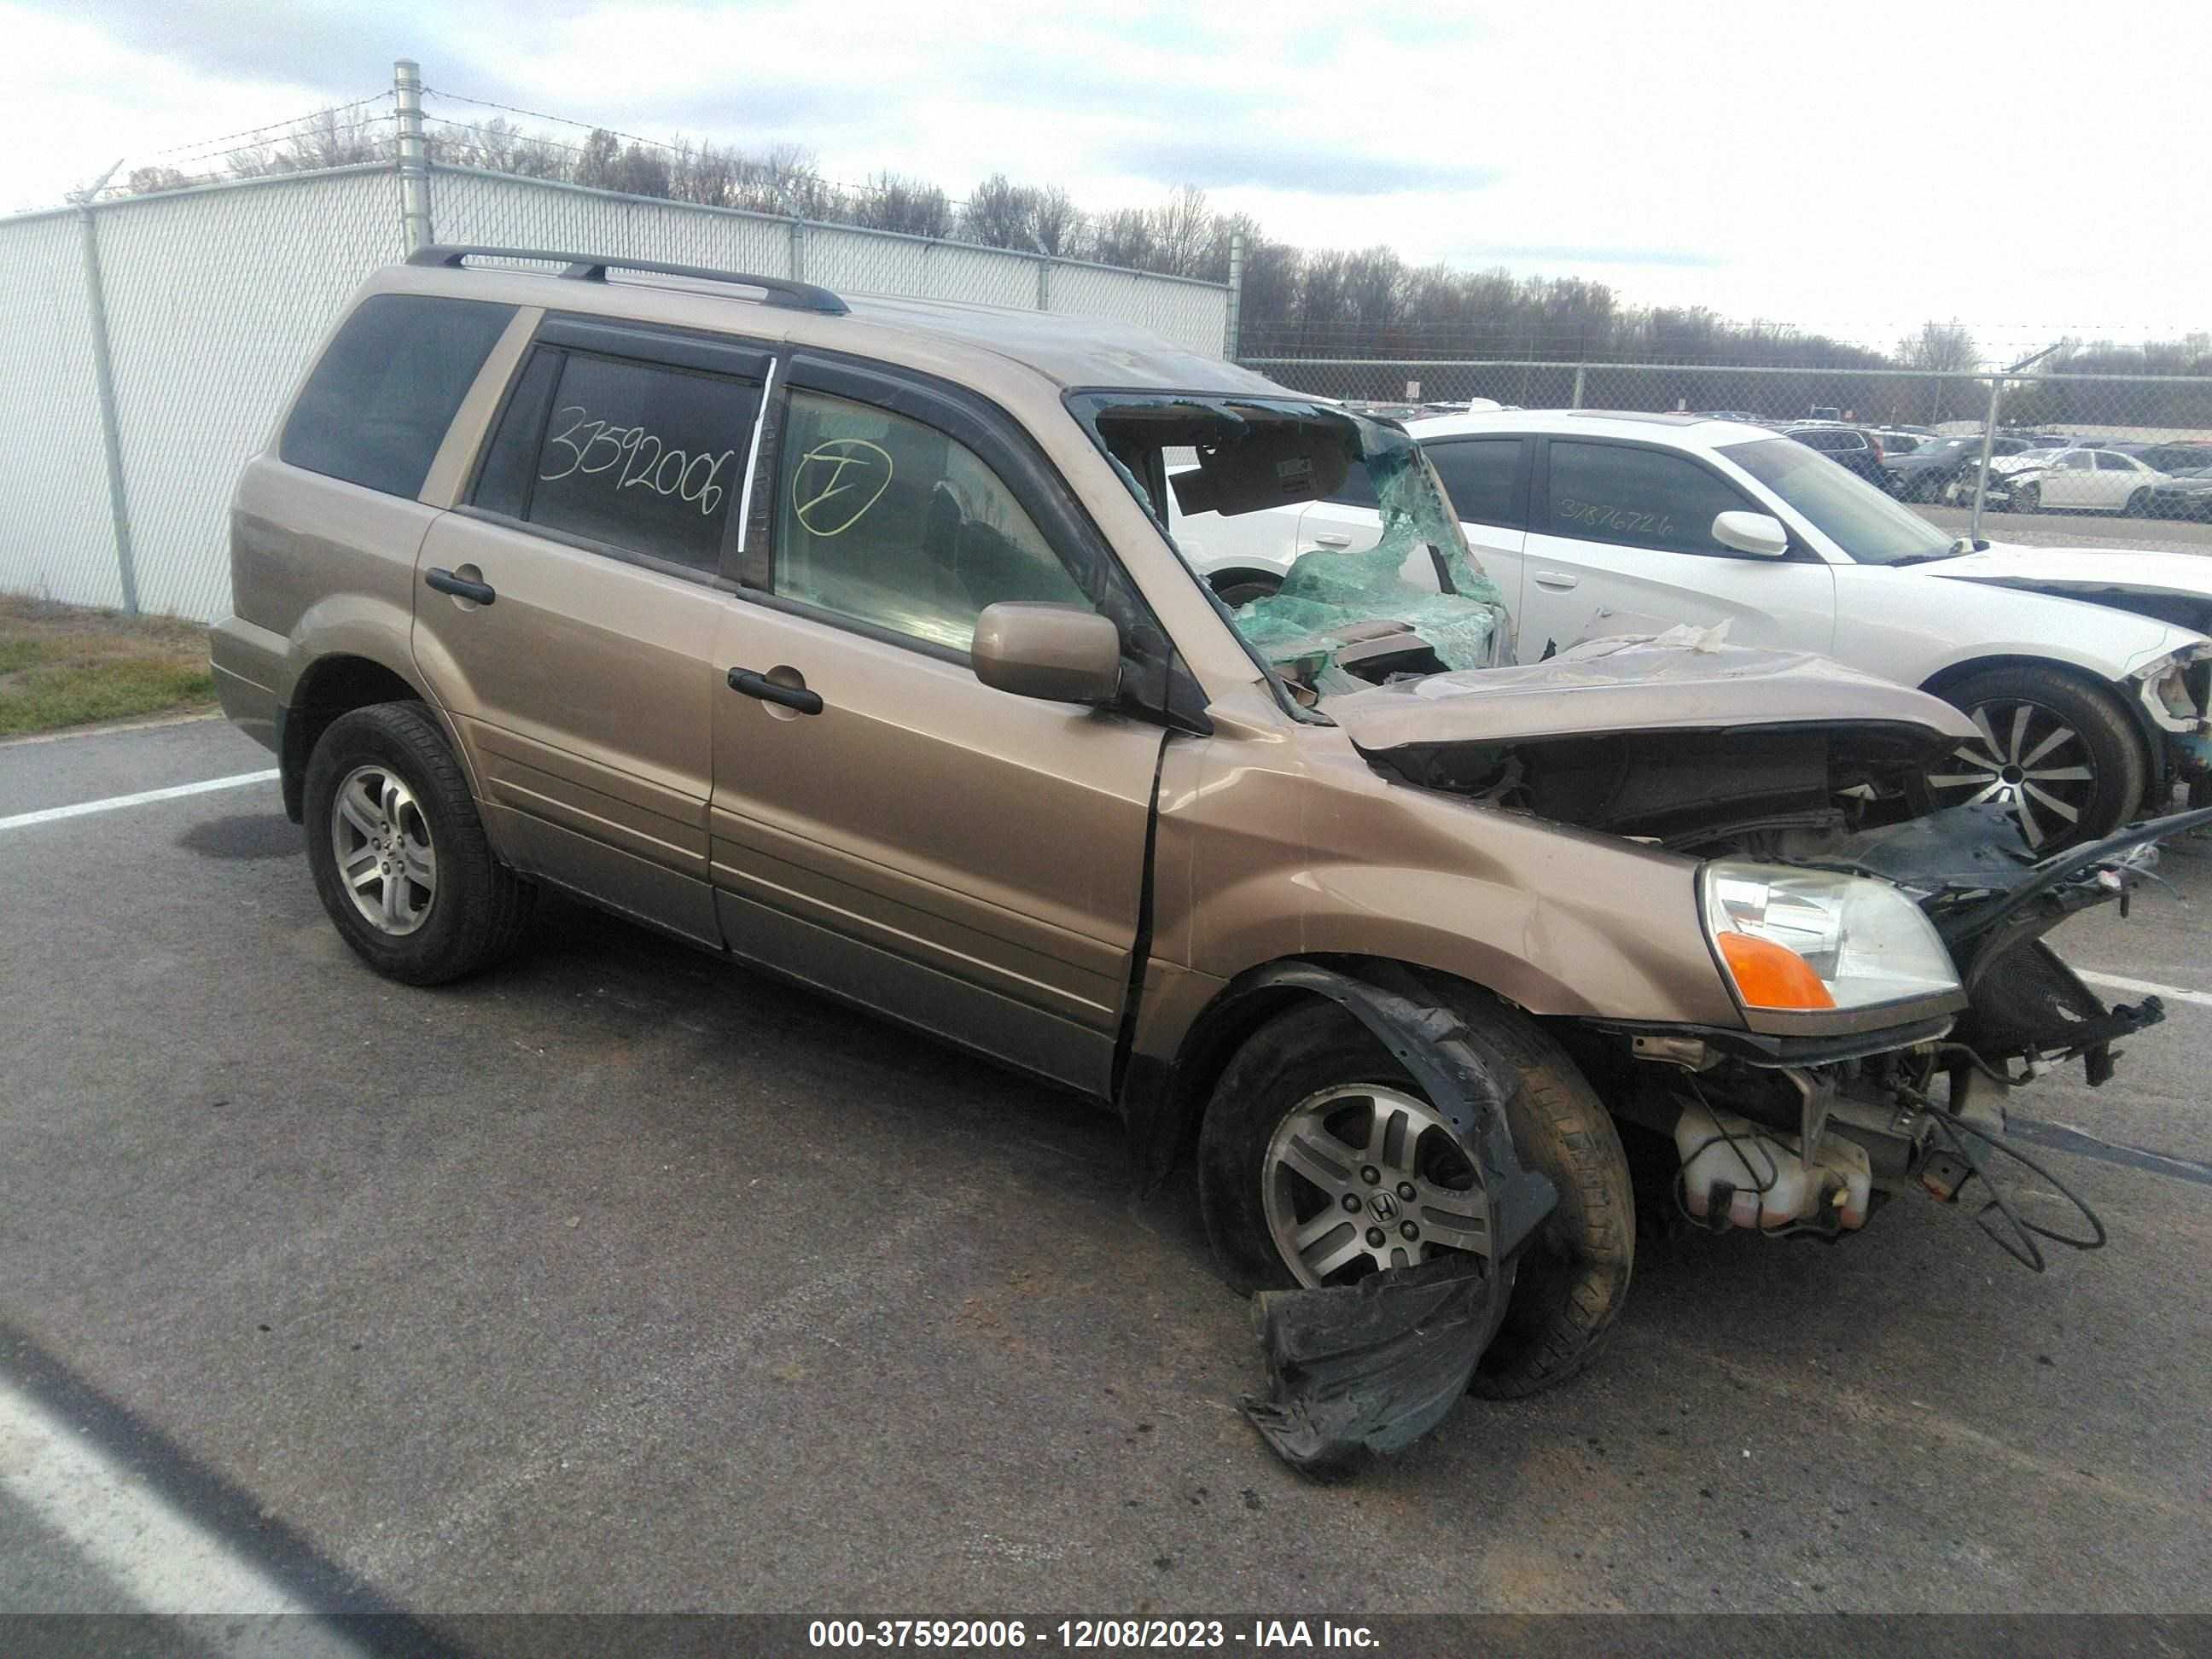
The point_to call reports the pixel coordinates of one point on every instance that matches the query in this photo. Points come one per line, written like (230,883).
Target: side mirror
(1760,533)
(1057,652)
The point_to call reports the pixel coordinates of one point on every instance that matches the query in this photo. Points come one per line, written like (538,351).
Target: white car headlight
(1812,940)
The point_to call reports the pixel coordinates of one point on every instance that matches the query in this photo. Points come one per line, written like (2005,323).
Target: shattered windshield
(1868,525)
(1401,598)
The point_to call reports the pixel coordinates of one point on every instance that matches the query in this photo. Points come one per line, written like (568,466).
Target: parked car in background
(2186,494)
(2173,458)
(2088,673)
(1930,472)
(2083,481)
(1896,441)
(1853,448)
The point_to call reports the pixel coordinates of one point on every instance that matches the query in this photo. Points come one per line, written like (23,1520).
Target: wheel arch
(330,686)
(1163,1099)
(1230,574)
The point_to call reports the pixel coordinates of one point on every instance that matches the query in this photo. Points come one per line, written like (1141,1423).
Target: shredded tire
(1574,1275)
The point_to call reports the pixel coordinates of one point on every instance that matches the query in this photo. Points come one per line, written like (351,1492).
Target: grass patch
(63,666)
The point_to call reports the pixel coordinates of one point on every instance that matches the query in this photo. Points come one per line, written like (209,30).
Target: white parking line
(151,1553)
(2168,993)
(143,797)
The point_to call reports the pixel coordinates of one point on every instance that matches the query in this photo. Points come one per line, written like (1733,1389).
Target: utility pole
(103,377)
(1232,326)
(414,158)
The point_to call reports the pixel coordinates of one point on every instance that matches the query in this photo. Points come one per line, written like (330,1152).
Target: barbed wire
(204,146)
(631,137)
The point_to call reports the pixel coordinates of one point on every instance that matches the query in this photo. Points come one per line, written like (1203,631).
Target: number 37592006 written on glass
(638,459)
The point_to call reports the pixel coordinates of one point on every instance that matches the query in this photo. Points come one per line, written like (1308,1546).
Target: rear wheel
(1315,1137)
(398,854)
(2055,751)
(2138,506)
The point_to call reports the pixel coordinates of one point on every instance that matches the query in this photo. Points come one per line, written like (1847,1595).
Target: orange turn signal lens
(1770,976)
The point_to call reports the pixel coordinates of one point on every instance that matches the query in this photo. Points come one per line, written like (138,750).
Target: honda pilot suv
(849,641)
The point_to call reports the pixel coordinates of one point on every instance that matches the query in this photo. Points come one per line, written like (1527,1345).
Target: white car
(2089,671)
(2084,480)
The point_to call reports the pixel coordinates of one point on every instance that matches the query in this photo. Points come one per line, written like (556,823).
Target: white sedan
(2083,480)
(2089,671)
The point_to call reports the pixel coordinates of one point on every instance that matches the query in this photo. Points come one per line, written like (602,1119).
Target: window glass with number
(643,457)
(1635,497)
(1479,475)
(887,521)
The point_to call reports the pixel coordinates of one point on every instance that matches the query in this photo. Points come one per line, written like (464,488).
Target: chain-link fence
(2137,445)
(155,337)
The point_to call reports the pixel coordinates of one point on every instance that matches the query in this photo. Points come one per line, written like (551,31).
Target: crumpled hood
(2086,571)
(1683,680)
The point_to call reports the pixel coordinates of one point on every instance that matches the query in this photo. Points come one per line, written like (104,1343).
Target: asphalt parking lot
(619,1278)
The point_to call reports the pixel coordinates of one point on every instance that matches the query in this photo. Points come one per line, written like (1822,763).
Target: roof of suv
(1687,431)
(1067,350)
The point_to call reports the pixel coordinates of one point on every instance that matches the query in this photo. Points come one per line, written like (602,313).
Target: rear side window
(376,406)
(644,457)
(1635,497)
(1480,475)
(889,522)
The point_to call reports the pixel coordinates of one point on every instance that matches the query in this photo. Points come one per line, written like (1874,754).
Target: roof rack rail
(591,268)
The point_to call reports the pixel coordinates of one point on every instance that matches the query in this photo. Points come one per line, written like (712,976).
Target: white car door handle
(1334,541)
(1558,579)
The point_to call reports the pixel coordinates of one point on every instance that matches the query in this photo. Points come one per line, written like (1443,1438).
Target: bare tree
(1057,222)
(1180,229)
(891,201)
(999,213)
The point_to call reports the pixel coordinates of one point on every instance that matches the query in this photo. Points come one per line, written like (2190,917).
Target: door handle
(1558,579)
(767,690)
(1334,541)
(459,587)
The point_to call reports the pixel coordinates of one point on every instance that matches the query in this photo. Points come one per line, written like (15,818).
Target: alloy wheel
(1364,1177)
(385,860)
(2029,761)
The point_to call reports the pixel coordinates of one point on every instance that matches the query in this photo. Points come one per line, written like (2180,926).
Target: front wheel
(2029,498)
(1238,589)
(398,854)
(2054,749)
(1321,1163)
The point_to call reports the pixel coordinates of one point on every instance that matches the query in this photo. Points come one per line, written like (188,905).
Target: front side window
(378,405)
(887,521)
(2108,462)
(1480,475)
(642,457)
(1636,498)
(2076,462)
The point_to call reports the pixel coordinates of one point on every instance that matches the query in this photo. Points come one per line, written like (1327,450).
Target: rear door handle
(1558,579)
(767,690)
(459,587)
(1334,541)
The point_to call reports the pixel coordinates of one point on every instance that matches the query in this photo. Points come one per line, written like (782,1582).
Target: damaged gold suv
(849,641)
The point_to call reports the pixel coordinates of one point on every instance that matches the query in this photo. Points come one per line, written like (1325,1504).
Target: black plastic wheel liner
(1372,1366)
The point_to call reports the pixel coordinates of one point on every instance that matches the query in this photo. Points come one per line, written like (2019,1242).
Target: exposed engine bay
(1771,1133)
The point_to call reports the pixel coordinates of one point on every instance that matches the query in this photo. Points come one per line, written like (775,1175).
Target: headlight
(1810,939)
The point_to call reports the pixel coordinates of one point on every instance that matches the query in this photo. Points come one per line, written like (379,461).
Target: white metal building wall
(216,298)
(56,539)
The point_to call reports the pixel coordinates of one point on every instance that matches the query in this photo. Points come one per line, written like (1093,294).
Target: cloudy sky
(2031,170)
